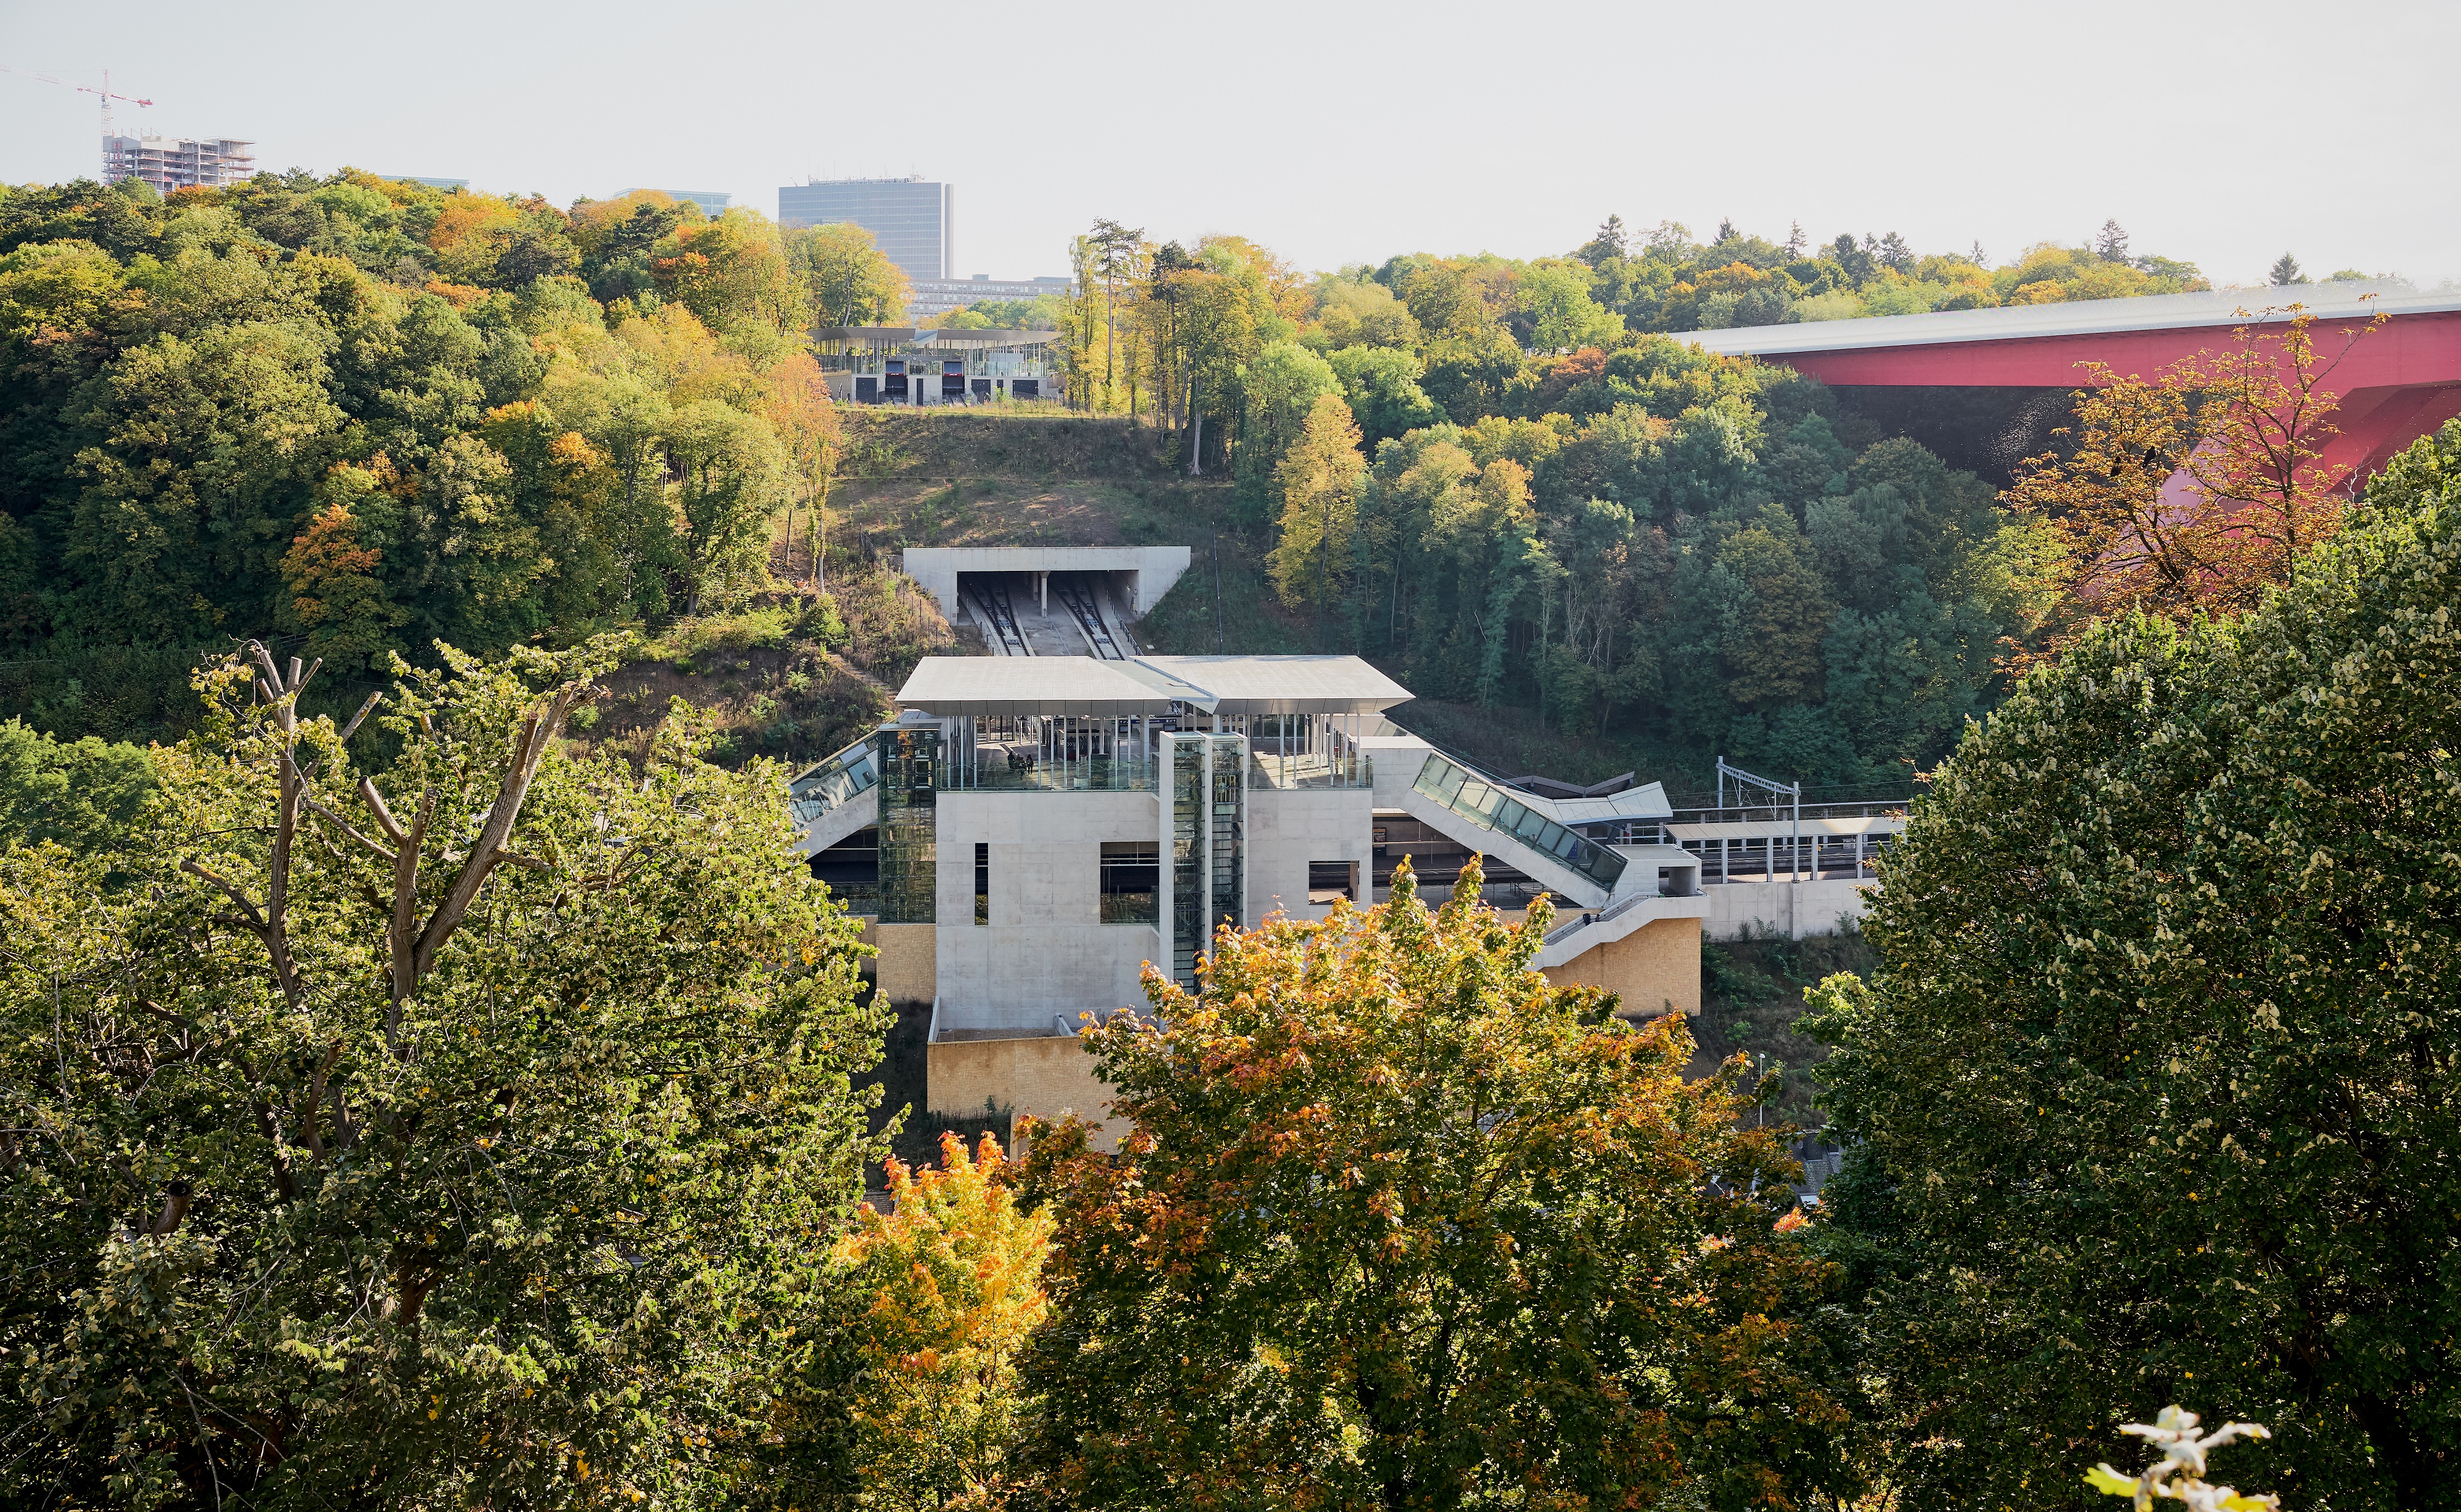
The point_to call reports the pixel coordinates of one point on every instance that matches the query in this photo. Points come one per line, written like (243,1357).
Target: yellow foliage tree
(954,1273)
(1319,480)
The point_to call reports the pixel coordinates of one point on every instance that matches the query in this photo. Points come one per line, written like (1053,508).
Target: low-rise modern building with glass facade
(902,365)
(1032,830)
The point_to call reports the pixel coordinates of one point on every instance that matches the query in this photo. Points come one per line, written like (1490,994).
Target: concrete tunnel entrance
(1048,601)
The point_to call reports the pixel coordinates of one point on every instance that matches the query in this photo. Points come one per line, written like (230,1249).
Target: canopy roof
(1029,685)
(2211,308)
(912,336)
(1148,685)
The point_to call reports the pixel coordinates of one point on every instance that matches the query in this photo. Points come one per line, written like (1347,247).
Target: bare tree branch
(345,826)
(538,732)
(364,709)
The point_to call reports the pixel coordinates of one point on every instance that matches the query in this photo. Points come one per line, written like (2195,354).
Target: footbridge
(2395,384)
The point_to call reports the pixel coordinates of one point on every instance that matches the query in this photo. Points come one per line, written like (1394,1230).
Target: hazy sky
(1333,133)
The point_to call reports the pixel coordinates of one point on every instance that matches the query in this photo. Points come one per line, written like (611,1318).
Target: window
(1131,882)
(983,882)
(852,867)
(1328,880)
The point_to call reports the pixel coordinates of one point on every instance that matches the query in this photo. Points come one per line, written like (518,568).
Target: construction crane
(86,89)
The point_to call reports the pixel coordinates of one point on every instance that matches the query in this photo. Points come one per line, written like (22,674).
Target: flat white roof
(1285,685)
(1028,685)
(2216,307)
(1081,685)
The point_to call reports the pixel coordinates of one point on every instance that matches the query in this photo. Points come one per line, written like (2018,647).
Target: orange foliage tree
(337,595)
(953,1272)
(1400,1224)
(2197,489)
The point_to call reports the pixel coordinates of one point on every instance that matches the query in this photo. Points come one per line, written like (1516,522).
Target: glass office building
(914,221)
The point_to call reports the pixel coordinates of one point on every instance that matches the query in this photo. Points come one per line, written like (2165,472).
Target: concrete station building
(1033,829)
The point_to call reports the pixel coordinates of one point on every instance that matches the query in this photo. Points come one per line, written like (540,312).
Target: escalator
(1519,829)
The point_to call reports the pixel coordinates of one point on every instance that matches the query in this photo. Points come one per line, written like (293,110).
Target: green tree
(1380,384)
(208,452)
(734,479)
(86,794)
(1279,389)
(846,276)
(1775,658)
(2154,1094)
(1320,483)
(1401,1225)
(468,1130)
(1553,297)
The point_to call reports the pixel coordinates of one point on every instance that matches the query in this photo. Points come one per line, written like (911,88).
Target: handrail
(1611,911)
(1484,801)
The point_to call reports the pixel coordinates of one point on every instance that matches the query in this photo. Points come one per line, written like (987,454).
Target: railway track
(999,618)
(1081,604)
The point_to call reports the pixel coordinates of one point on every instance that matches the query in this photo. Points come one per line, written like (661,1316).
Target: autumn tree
(336,596)
(1319,480)
(806,424)
(466,1129)
(2153,1093)
(950,1274)
(847,277)
(731,272)
(1279,391)
(2196,489)
(1398,1223)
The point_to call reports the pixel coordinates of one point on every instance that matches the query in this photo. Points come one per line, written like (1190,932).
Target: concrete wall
(1145,573)
(1050,1077)
(906,971)
(1737,908)
(1046,949)
(1289,828)
(1655,968)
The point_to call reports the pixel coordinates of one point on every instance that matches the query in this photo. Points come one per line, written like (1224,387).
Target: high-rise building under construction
(912,220)
(176,163)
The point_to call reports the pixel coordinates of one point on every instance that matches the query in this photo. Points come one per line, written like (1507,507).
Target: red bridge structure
(2395,384)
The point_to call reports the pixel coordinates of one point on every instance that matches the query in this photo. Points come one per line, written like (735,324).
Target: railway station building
(902,365)
(1033,828)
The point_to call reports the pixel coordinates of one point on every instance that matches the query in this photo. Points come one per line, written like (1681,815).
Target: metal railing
(1491,806)
(1318,769)
(1582,922)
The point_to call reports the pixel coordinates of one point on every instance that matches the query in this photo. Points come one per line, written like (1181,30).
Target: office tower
(914,221)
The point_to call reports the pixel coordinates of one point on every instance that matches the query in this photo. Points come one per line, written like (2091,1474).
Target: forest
(1531,494)
(408,1100)
(369,416)
(482,1123)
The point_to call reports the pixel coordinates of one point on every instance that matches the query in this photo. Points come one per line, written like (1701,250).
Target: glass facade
(1492,807)
(1229,856)
(908,762)
(847,775)
(1187,855)
(1207,842)
(1051,753)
